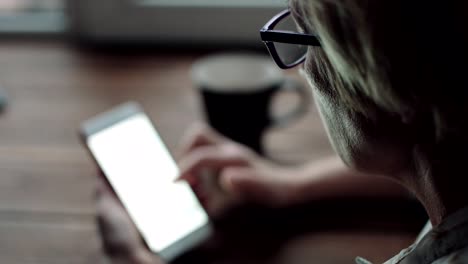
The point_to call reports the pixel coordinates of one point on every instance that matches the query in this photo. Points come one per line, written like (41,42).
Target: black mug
(237,92)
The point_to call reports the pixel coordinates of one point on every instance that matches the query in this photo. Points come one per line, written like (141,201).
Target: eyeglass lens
(289,53)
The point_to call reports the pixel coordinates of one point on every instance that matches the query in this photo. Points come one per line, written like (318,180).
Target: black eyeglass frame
(269,36)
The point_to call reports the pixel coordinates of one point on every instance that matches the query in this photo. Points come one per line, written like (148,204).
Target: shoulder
(457,257)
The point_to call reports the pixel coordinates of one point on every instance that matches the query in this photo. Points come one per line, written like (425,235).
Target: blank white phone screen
(142,173)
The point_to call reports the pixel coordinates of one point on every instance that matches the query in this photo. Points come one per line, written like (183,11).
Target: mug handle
(292,85)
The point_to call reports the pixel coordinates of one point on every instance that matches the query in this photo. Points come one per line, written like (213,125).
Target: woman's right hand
(224,173)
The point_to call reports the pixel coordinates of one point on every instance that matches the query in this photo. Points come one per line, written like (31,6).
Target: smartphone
(140,170)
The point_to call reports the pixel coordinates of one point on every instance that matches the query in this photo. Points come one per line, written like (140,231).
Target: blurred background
(184,22)
(32,16)
(48,181)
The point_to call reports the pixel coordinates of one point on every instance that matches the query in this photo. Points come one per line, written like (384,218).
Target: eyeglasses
(287,47)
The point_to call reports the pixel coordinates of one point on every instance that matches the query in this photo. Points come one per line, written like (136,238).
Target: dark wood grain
(47,179)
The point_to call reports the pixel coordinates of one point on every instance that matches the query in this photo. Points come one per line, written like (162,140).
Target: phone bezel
(112,117)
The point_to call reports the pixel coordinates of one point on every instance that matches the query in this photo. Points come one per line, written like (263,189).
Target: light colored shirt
(445,244)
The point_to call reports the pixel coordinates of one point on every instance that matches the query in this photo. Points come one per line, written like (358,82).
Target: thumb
(250,184)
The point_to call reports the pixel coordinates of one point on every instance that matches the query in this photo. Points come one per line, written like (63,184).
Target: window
(173,21)
(159,21)
(211,3)
(31,16)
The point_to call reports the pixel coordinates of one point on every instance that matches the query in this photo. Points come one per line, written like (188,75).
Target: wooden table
(47,180)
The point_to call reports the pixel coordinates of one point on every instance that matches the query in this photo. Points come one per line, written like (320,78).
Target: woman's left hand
(121,240)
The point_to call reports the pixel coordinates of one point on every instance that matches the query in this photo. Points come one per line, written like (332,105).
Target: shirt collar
(451,235)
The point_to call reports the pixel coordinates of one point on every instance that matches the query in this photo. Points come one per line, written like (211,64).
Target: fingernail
(226,183)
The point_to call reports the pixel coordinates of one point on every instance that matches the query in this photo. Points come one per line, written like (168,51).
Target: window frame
(34,22)
(235,25)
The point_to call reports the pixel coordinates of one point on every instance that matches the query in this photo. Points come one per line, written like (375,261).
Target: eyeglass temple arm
(289,37)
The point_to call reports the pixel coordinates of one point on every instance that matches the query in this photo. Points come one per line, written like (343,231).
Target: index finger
(198,135)
(213,157)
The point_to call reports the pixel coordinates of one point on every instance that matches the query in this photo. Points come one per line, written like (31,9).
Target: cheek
(343,135)
(314,70)
(376,147)
(330,110)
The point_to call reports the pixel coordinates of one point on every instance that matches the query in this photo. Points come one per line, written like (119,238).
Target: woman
(388,80)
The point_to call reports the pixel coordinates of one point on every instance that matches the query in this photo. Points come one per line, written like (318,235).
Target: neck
(442,191)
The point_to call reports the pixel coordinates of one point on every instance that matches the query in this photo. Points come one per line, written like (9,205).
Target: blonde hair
(405,58)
